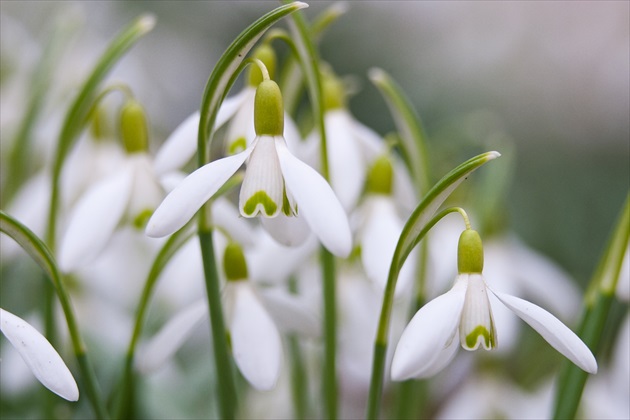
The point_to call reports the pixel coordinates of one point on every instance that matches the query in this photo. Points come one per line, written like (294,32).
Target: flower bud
(267,55)
(234,263)
(133,126)
(268,110)
(333,92)
(469,252)
(379,177)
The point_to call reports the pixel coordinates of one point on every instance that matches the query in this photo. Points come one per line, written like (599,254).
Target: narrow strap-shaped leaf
(36,248)
(409,127)
(597,305)
(224,74)
(76,116)
(416,227)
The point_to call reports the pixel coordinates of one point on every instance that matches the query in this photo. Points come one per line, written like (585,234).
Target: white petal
(346,164)
(379,237)
(558,335)
(287,230)
(183,202)
(231,105)
(171,337)
(316,202)
(256,344)
(426,341)
(292,134)
(146,191)
(39,355)
(179,147)
(290,312)
(263,188)
(477,325)
(94,219)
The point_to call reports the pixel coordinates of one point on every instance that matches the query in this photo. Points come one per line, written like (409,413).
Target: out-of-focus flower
(39,355)
(380,226)
(129,195)
(276,184)
(428,343)
(253,318)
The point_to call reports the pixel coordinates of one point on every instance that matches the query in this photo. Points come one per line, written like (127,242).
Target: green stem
(330,333)
(598,302)
(382,333)
(226,384)
(125,393)
(299,388)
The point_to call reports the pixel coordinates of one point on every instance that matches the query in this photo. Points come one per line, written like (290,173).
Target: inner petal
(477,324)
(263,186)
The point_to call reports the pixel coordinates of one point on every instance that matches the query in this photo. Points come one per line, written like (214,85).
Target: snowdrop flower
(236,112)
(253,319)
(428,343)
(350,144)
(39,355)
(276,185)
(380,227)
(129,195)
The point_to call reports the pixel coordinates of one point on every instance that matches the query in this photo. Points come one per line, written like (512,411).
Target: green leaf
(416,227)
(77,115)
(597,303)
(227,69)
(409,126)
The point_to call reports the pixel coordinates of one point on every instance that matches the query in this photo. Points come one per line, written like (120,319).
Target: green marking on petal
(260,198)
(237,146)
(140,221)
(286,206)
(473,338)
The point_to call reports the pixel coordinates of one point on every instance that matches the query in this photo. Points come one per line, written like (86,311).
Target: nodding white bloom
(39,355)
(380,227)
(253,318)
(129,195)
(428,343)
(236,113)
(276,185)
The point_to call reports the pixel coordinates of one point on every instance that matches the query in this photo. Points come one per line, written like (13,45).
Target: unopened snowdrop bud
(234,263)
(267,55)
(469,253)
(333,91)
(268,110)
(380,176)
(133,124)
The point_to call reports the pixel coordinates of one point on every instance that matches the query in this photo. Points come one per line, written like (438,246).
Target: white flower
(129,195)
(428,343)
(253,316)
(276,184)
(39,355)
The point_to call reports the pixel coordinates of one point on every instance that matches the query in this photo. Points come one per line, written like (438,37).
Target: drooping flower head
(276,185)
(428,343)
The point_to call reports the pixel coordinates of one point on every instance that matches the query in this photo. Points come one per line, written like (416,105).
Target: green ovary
(260,198)
(472,338)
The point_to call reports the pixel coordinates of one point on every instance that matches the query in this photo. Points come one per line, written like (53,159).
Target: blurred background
(545,83)
(551,77)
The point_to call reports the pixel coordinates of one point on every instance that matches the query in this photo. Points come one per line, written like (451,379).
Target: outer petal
(316,202)
(256,344)
(347,167)
(93,221)
(290,312)
(39,355)
(171,337)
(429,335)
(179,147)
(183,202)
(558,335)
